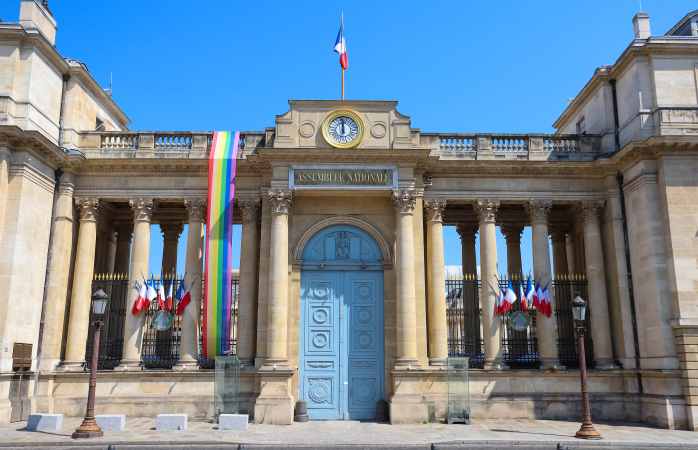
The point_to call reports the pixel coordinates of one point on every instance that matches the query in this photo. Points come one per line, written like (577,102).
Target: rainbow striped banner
(218,273)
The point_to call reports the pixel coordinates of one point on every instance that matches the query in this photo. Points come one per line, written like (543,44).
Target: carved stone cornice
(142,209)
(590,210)
(280,200)
(435,210)
(89,209)
(405,200)
(486,210)
(539,210)
(250,210)
(196,209)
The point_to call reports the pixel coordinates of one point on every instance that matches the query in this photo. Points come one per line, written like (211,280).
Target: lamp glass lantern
(579,309)
(100,300)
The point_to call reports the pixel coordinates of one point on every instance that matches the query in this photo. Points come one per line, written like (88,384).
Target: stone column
(491,324)
(133,325)
(170,235)
(512,234)
(249,264)
(277,349)
(436,284)
(569,252)
(596,278)
(110,262)
(467,232)
(560,263)
(5,159)
(123,247)
(189,343)
(58,273)
(81,298)
(546,327)
(406,307)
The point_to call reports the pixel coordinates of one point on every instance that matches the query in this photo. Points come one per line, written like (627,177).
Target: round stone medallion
(307,129)
(378,130)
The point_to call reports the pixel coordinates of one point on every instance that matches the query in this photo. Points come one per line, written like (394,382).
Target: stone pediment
(384,126)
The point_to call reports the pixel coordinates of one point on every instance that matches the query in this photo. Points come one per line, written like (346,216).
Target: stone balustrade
(513,146)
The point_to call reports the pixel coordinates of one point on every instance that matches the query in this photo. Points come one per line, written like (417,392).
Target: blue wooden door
(341,357)
(342,343)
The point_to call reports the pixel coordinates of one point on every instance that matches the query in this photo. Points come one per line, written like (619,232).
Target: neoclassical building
(341,296)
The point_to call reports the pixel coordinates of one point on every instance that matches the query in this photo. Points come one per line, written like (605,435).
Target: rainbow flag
(218,272)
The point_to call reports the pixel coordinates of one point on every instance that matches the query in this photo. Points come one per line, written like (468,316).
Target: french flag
(169,300)
(340,46)
(140,302)
(183,298)
(530,294)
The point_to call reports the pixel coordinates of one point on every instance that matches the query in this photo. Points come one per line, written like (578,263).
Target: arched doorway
(341,348)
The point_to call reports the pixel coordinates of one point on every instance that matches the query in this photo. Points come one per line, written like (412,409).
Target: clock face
(343,129)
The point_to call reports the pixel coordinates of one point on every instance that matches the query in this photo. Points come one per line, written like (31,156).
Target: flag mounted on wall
(218,272)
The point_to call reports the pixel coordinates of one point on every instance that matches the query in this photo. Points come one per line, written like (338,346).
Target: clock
(343,129)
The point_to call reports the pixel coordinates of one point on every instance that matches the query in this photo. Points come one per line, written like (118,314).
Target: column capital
(538,210)
(487,210)
(196,209)
(142,209)
(590,210)
(67,185)
(512,232)
(405,200)
(171,230)
(466,230)
(435,210)
(280,200)
(250,210)
(89,209)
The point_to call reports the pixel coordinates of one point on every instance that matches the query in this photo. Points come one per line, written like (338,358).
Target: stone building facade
(342,294)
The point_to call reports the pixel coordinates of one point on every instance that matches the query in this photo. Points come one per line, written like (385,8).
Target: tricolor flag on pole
(340,47)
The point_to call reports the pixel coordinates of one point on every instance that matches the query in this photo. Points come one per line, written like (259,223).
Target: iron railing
(520,347)
(210,363)
(566,287)
(111,341)
(160,348)
(463,317)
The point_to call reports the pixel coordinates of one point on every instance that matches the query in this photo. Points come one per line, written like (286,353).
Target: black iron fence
(162,332)
(111,343)
(566,287)
(210,363)
(463,317)
(519,340)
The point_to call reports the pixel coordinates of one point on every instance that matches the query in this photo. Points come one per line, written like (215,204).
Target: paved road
(486,435)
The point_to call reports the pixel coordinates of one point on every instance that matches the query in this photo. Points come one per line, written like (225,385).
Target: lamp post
(89,428)
(579,310)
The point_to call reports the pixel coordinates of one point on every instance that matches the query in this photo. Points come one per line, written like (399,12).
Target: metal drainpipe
(616,120)
(58,174)
(631,292)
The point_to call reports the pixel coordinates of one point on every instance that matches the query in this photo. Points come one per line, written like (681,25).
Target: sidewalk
(484,434)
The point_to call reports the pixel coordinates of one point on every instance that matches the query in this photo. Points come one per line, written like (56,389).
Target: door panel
(342,343)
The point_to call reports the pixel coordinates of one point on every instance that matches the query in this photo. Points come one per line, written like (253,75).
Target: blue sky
(505,66)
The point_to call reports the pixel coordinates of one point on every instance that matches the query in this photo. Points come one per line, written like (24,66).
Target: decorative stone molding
(404,200)
(280,200)
(512,233)
(250,210)
(196,209)
(487,210)
(590,210)
(142,209)
(344,220)
(539,210)
(435,210)
(89,209)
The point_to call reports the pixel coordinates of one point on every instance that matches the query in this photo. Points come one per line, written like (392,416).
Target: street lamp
(89,428)
(579,312)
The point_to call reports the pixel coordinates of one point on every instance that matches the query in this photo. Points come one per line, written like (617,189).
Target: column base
(406,363)
(187,364)
(438,362)
(128,366)
(496,364)
(49,365)
(551,364)
(72,366)
(605,364)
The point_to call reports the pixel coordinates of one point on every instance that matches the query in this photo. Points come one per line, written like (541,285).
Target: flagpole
(342,84)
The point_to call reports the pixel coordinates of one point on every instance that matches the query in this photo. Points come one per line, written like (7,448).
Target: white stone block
(171,422)
(233,422)
(111,422)
(50,423)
